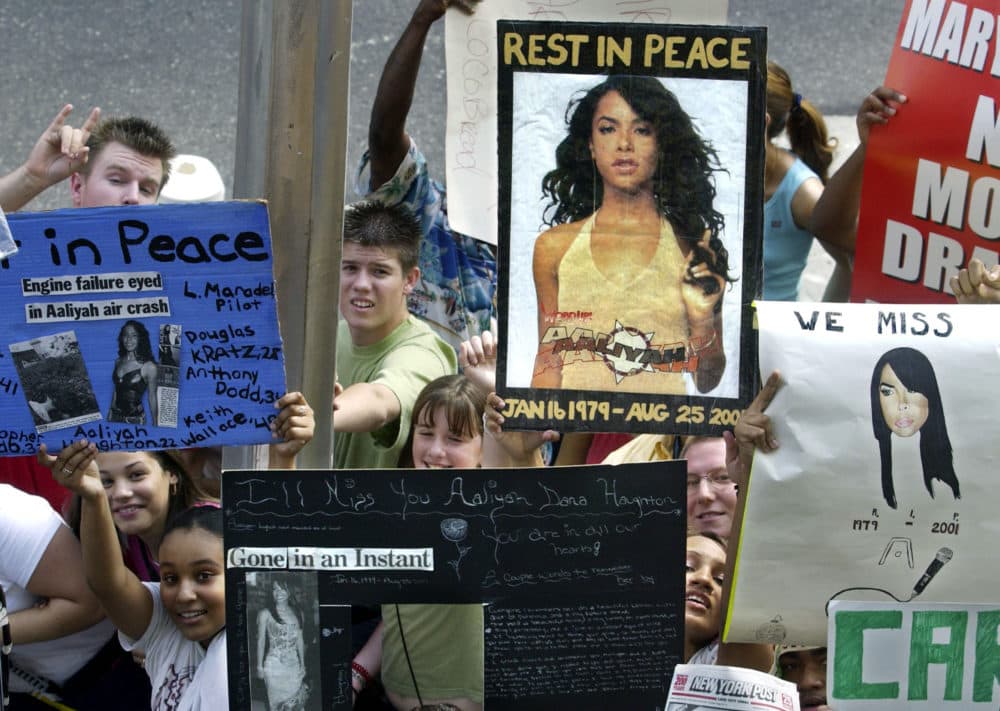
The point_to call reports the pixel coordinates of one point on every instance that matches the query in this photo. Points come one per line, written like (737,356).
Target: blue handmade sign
(139,328)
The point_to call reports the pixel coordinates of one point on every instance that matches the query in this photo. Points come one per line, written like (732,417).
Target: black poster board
(581,569)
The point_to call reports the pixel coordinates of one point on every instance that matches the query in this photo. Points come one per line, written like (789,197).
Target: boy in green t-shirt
(385,355)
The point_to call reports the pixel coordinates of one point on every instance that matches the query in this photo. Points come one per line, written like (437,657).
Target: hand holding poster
(931,194)
(882,487)
(634,225)
(886,656)
(140,328)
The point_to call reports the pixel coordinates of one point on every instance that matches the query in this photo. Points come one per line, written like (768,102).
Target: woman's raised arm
(127,602)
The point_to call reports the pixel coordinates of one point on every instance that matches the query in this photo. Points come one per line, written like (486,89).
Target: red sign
(931,194)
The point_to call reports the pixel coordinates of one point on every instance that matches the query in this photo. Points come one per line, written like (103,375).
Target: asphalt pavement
(178,63)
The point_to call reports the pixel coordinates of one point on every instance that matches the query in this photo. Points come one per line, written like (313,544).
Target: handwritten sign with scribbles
(150,327)
(577,567)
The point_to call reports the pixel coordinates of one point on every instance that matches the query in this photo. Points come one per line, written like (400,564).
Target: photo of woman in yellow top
(630,275)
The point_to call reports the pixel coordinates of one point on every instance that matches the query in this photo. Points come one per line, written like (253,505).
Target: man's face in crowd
(373,291)
(711,493)
(118,175)
(807,670)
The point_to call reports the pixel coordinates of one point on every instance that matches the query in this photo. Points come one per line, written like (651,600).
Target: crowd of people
(98,542)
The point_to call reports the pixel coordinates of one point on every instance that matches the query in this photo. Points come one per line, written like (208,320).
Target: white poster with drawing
(883,486)
(471,59)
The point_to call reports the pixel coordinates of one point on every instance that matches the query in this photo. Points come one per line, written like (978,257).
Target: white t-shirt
(27,526)
(185,676)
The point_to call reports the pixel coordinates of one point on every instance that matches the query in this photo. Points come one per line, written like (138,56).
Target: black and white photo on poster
(168,375)
(170,344)
(55,382)
(283,622)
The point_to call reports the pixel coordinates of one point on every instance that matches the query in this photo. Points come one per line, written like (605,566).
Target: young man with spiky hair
(129,164)
(118,161)
(385,355)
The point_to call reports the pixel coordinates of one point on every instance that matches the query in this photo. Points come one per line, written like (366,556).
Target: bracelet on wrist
(700,346)
(360,675)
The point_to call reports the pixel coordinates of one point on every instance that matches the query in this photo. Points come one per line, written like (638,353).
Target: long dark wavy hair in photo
(917,375)
(293,600)
(684,184)
(143,349)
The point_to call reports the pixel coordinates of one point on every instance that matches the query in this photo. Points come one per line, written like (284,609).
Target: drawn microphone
(942,557)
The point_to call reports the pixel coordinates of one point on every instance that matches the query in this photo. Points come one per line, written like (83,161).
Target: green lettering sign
(848,664)
(923,652)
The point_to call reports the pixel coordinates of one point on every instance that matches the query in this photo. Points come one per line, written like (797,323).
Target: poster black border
(706,415)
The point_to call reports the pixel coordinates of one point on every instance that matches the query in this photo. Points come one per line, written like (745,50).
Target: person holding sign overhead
(630,207)
(179,622)
(454,294)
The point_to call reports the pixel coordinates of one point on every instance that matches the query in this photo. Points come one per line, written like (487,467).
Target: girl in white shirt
(179,622)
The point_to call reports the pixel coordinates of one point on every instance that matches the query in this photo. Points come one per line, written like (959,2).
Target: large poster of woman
(629,226)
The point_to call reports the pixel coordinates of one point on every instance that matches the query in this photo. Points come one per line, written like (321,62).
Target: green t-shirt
(404,361)
(446,649)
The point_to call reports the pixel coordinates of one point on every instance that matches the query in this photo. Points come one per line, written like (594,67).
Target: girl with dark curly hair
(631,216)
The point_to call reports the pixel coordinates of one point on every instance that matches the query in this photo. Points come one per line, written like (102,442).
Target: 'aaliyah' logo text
(626,350)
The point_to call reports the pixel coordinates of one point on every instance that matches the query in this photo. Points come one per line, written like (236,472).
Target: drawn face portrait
(905,411)
(437,446)
(623,145)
